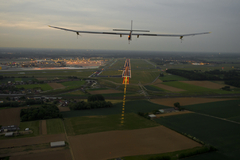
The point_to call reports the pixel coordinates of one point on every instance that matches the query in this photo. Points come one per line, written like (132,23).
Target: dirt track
(172,114)
(205,84)
(32,140)
(115,144)
(169,88)
(186,101)
(108,91)
(44,127)
(49,155)
(56,85)
(63,109)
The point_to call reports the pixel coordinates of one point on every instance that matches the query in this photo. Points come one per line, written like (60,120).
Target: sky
(24,23)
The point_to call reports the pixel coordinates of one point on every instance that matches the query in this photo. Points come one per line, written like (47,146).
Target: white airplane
(130,34)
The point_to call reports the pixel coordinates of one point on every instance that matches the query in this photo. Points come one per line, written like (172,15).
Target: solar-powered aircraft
(130,33)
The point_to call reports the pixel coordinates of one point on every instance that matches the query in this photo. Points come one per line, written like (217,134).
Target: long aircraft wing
(92,32)
(137,34)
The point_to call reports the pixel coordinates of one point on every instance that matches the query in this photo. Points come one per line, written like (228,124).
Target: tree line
(229,77)
(94,101)
(38,113)
(20,104)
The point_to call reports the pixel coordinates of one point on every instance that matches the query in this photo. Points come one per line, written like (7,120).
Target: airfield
(211,116)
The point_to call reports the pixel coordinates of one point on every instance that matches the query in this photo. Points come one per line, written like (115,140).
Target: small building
(58,144)
(9,134)
(10,128)
(168,110)
(152,115)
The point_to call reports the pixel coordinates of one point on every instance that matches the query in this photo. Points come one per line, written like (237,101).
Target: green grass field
(221,134)
(111,73)
(73,83)
(86,125)
(168,77)
(187,87)
(32,125)
(55,126)
(143,76)
(224,109)
(140,63)
(153,88)
(197,90)
(44,87)
(130,107)
(118,64)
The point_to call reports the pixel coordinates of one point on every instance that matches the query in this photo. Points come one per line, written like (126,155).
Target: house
(168,110)
(10,128)
(152,115)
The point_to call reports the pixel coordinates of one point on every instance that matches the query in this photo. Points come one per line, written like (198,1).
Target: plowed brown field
(113,144)
(169,88)
(107,91)
(172,114)
(48,155)
(186,101)
(157,81)
(10,116)
(205,84)
(63,109)
(44,127)
(56,85)
(32,140)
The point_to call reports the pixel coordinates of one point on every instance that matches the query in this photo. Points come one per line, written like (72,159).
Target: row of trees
(20,104)
(94,101)
(90,105)
(37,113)
(229,77)
(194,75)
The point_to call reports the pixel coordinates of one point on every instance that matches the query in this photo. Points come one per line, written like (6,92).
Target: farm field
(47,155)
(221,134)
(55,126)
(73,83)
(186,101)
(93,124)
(225,109)
(63,109)
(206,84)
(10,116)
(56,85)
(130,107)
(14,142)
(105,91)
(32,125)
(170,77)
(153,88)
(197,90)
(116,144)
(169,88)
(44,87)
(43,127)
